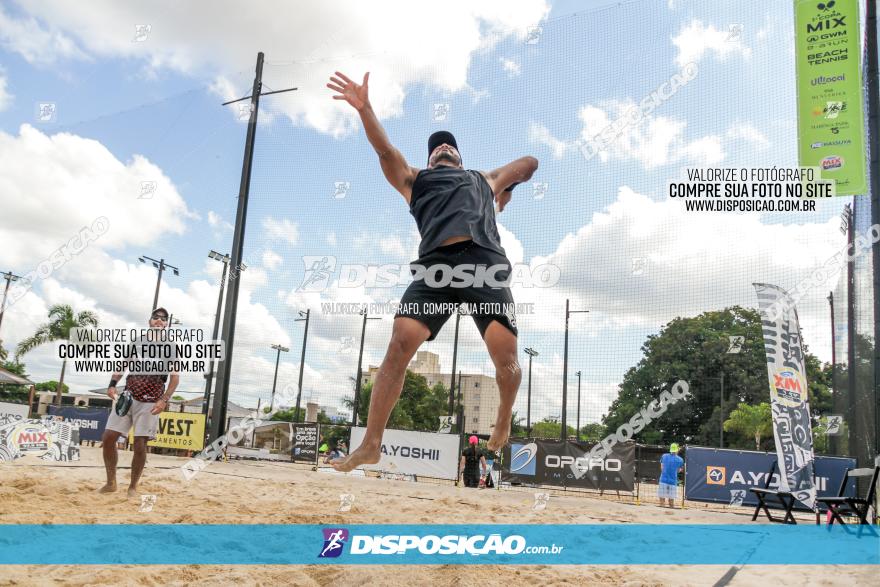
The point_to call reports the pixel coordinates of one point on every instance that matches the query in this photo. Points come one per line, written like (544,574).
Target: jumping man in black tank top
(455,211)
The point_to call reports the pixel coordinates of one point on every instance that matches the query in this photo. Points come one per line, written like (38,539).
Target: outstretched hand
(355,94)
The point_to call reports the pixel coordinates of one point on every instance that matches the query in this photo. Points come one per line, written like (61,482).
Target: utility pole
(279,350)
(357,386)
(302,361)
(564,432)
(218,421)
(531,353)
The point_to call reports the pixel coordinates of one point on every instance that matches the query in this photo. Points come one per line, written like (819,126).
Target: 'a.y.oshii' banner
(789,402)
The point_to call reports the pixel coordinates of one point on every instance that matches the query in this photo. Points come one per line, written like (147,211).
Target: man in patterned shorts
(149,397)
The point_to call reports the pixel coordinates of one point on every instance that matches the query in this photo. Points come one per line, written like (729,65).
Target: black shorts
(471,480)
(431,299)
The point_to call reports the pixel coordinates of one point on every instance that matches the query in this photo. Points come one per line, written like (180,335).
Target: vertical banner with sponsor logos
(789,402)
(569,464)
(305,443)
(831,130)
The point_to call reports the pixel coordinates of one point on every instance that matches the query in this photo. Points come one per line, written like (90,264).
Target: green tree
(419,406)
(751,421)
(517,425)
(592,432)
(695,350)
(551,429)
(61,319)
(51,386)
(289,415)
(14,393)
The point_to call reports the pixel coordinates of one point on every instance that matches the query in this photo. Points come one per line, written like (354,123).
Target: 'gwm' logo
(334,541)
(523,458)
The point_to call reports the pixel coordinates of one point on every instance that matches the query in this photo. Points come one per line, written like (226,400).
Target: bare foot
(361,456)
(132,492)
(109,488)
(501,431)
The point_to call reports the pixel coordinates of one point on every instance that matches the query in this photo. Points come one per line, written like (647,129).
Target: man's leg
(137,463)
(501,344)
(111,457)
(406,338)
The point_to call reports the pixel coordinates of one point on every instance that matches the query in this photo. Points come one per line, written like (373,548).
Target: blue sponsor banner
(602,544)
(725,476)
(91,421)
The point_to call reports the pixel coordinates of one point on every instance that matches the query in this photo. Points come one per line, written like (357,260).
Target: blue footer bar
(593,544)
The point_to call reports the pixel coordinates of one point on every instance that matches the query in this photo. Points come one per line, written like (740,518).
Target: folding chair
(852,505)
(785,498)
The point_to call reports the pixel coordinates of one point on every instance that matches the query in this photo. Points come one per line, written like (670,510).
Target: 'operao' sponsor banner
(789,401)
(179,430)
(831,130)
(91,421)
(725,476)
(9,412)
(414,453)
(440,544)
(568,464)
(305,443)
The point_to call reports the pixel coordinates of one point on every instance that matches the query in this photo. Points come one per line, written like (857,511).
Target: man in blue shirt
(670,463)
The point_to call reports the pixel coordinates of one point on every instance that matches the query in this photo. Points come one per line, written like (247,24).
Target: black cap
(163,310)
(440,137)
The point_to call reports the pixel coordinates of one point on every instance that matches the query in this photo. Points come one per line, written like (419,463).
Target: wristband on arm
(113,383)
(511,186)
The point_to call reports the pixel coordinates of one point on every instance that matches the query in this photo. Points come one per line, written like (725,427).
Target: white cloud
(78,180)
(282,229)
(748,133)
(5,96)
(510,66)
(35,43)
(402,44)
(696,39)
(540,134)
(216,221)
(654,141)
(271,260)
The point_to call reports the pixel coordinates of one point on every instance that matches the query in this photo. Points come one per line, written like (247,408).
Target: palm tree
(751,420)
(62,319)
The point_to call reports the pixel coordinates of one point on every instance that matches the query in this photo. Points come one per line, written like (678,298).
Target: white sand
(32,491)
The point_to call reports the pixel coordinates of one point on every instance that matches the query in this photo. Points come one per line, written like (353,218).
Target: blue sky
(148,111)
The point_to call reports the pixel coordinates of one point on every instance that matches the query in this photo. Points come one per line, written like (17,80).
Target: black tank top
(447,202)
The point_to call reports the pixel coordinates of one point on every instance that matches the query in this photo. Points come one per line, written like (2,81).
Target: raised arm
(397,171)
(503,179)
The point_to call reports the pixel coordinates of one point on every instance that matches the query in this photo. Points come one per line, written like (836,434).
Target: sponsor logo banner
(712,473)
(179,430)
(427,454)
(305,443)
(90,421)
(831,130)
(439,544)
(789,403)
(568,464)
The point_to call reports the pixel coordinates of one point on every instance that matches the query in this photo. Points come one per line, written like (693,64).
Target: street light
(9,277)
(209,376)
(531,353)
(278,348)
(565,370)
(161,265)
(302,361)
(578,429)
(357,390)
